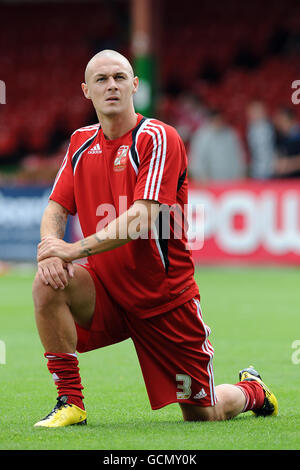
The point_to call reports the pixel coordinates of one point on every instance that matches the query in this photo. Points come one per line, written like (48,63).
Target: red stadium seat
(42,61)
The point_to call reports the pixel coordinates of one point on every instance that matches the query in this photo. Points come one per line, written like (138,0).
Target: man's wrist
(81,249)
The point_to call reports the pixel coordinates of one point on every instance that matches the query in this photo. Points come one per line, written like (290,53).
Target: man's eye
(100,79)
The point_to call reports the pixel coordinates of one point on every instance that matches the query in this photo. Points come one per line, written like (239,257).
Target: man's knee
(44,296)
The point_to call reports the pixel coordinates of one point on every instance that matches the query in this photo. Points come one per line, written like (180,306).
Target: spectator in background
(288,144)
(261,141)
(216,152)
(190,115)
(185,111)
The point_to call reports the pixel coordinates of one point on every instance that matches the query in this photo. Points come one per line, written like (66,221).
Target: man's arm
(53,271)
(54,220)
(135,222)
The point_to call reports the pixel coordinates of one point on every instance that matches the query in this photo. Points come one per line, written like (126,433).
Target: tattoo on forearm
(98,239)
(86,251)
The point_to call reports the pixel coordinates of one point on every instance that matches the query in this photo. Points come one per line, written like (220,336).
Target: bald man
(124,177)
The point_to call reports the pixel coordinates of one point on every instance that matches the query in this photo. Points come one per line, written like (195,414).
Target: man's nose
(112,84)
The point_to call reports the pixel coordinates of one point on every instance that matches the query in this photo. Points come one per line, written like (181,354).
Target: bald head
(104,56)
(110,84)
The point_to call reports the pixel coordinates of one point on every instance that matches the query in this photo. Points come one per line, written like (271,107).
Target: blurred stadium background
(192,58)
(196,60)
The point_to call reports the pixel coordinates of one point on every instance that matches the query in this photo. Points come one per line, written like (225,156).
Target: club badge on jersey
(121,158)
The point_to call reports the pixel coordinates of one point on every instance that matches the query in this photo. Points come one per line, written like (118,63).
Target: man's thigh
(99,320)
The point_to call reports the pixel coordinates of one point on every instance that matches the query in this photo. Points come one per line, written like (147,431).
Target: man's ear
(135,84)
(85,90)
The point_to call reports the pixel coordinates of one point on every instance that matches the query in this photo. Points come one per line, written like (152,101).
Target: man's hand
(55,247)
(55,272)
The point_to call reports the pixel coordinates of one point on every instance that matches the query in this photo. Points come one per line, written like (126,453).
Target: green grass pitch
(254,314)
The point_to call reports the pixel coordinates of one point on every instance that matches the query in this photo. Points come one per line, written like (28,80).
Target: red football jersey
(100,179)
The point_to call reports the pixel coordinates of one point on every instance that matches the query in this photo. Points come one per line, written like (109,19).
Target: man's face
(110,85)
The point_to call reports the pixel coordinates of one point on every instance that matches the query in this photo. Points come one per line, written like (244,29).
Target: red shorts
(173,349)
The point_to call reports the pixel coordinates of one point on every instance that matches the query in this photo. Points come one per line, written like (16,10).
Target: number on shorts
(185,386)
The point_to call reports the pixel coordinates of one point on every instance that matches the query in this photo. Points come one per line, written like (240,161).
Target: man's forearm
(114,235)
(54,221)
(133,224)
(137,221)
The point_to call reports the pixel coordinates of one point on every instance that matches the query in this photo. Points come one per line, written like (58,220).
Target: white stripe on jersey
(80,155)
(132,163)
(64,162)
(154,156)
(207,349)
(157,162)
(163,160)
(141,129)
(136,150)
(61,169)
(87,128)
(158,156)
(158,246)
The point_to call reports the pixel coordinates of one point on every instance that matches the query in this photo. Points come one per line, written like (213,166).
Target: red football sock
(65,372)
(254,394)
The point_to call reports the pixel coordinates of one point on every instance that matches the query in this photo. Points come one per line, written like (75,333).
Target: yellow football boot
(63,414)
(270,406)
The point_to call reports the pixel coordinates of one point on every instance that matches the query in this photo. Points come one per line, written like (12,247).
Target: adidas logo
(95,149)
(200,394)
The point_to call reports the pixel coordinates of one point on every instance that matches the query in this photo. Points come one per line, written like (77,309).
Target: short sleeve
(63,187)
(162,161)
